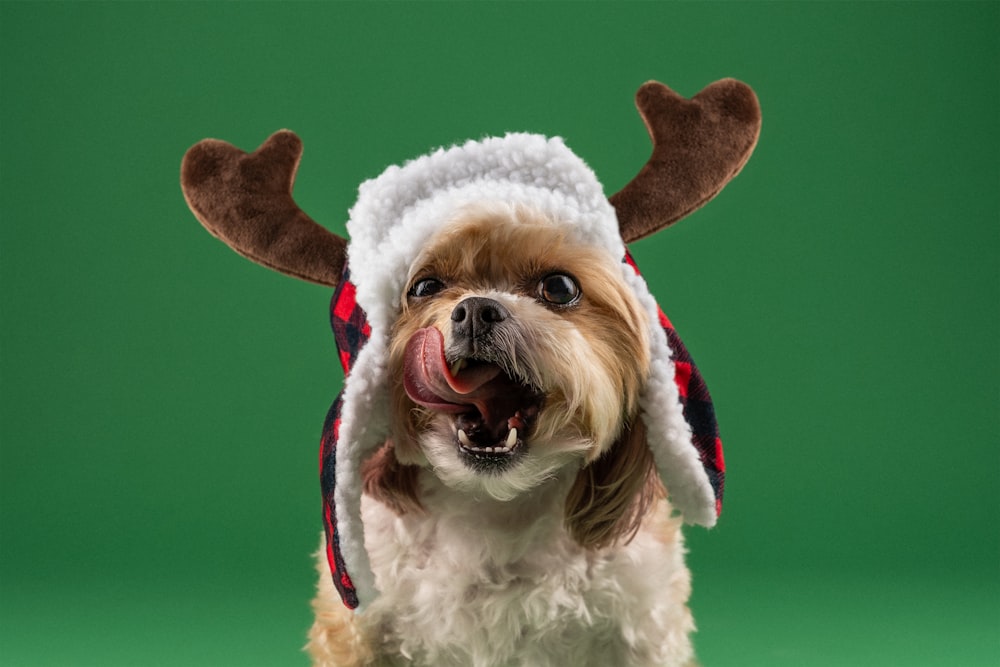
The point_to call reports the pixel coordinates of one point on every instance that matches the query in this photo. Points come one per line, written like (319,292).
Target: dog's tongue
(428,380)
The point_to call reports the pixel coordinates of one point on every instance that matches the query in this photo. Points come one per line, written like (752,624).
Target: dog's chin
(494,443)
(468,455)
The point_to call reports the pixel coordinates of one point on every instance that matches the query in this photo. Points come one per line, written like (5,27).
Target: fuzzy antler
(246,201)
(698,146)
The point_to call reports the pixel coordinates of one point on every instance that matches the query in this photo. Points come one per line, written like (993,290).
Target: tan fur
(611,496)
(390,482)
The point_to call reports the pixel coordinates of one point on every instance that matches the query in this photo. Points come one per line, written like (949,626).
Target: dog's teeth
(511,438)
(457,367)
(464,439)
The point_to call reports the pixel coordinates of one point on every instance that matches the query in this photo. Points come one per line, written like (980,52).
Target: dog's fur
(563,551)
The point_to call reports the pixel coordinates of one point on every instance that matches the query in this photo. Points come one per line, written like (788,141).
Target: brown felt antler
(246,201)
(699,145)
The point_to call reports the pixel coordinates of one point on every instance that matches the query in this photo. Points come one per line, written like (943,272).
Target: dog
(516,516)
(521,432)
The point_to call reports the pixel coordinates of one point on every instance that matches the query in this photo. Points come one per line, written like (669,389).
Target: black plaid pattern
(328,483)
(697,406)
(350,328)
(351,332)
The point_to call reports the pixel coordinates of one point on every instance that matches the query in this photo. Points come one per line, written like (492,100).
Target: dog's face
(518,352)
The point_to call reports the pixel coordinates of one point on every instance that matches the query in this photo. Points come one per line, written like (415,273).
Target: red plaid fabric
(699,412)
(351,332)
(328,483)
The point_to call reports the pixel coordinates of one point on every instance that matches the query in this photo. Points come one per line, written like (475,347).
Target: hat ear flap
(698,412)
(610,495)
(677,411)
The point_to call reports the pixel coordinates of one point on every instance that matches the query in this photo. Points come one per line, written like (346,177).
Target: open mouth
(493,413)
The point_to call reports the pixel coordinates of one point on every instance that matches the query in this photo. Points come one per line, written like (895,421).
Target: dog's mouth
(493,412)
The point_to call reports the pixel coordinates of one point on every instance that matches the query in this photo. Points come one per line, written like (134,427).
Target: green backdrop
(162,397)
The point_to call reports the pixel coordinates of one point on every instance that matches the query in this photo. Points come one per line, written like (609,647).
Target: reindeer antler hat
(246,201)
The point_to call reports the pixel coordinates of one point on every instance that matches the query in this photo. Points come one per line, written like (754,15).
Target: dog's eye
(559,289)
(426,287)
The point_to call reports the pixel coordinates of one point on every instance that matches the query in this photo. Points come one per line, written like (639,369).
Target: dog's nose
(476,316)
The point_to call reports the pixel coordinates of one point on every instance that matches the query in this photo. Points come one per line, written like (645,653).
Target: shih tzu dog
(517,410)
(515,517)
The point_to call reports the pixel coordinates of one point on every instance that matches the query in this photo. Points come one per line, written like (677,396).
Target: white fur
(480,583)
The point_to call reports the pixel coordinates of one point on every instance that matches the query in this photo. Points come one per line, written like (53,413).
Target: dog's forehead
(503,245)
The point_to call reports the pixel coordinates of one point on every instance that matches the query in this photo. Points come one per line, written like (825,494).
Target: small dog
(516,408)
(515,518)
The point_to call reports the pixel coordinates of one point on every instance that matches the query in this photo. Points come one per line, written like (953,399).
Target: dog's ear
(699,145)
(390,482)
(611,495)
(245,200)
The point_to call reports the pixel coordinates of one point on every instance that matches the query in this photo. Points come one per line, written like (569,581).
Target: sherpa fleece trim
(395,214)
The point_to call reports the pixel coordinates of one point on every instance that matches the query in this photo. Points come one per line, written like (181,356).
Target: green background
(162,397)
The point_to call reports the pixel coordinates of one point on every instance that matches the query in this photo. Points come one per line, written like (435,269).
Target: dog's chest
(457,589)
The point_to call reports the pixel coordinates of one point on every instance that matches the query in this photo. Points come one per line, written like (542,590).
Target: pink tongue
(428,381)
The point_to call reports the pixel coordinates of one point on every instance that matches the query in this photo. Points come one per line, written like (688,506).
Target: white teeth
(466,442)
(457,366)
